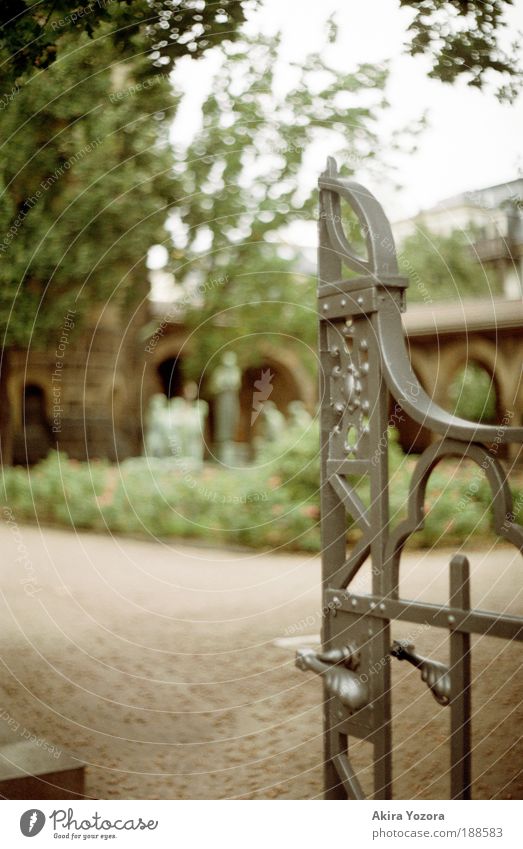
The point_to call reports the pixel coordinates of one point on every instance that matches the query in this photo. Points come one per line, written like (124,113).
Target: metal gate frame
(364,361)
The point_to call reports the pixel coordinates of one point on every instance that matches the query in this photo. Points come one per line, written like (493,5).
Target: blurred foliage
(460,37)
(473,394)
(273,504)
(443,268)
(462,40)
(32,32)
(85,181)
(243,183)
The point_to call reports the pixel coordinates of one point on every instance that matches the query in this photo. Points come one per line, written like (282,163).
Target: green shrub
(274,503)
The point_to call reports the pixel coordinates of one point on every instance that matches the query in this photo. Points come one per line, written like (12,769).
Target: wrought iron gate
(364,363)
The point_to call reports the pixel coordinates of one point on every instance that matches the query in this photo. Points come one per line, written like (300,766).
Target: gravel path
(156,666)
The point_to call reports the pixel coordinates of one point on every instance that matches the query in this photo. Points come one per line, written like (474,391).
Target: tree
(443,268)
(86,172)
(31,33)
(243,182)
(462,40)
(461,37)
(86,178)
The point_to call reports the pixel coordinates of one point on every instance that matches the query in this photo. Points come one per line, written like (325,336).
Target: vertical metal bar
(333,517)
(460,674)
(379,518)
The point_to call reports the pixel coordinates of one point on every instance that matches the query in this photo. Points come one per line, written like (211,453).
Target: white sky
(472,140)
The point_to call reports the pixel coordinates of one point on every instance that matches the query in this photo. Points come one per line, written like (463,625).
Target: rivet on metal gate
(325,307)
(364,345)
(451,619)
(343,302)
(365,368)
(354,602)
(382,607)
(370,632)
(372,605)
(359,301)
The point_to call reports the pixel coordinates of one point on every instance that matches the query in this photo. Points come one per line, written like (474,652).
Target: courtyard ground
(160,668)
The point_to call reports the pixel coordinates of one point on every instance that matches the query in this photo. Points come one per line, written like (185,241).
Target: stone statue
(175,427)
(224,387)
(186,418)
(299,415)
(274,421)
(157,426)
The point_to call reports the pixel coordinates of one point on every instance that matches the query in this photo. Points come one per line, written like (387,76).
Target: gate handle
(435,674)
(340,680)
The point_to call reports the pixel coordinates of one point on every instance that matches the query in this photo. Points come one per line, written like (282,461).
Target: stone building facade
(492,218)
(88,391)
(81,394)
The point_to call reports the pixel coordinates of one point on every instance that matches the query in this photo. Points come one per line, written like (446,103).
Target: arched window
(35,440)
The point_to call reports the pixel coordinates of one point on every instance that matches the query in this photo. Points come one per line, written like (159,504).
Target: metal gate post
(363,363)
(460,705)
(333,521)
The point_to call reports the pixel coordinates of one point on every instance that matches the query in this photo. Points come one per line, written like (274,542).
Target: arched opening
(171,377)
(34,441)
(172,383)
(473,394)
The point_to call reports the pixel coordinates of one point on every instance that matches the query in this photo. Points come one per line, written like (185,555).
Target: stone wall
(81,394)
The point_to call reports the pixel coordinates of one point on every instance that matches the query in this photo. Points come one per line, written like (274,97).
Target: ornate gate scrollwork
(364,360)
